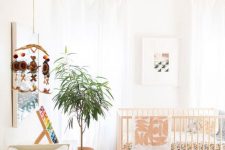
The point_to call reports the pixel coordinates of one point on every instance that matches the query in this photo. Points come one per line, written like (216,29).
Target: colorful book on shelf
(48,130)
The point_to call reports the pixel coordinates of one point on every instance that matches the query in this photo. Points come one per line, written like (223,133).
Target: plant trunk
(81,135)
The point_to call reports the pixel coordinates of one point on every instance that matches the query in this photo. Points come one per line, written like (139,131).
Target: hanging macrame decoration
(27,69)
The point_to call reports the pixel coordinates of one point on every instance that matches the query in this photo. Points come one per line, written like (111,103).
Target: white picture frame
(160,61)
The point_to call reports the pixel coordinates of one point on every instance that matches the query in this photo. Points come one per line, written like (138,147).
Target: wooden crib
(176,129)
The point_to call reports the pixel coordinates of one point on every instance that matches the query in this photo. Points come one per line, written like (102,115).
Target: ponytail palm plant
(81,96)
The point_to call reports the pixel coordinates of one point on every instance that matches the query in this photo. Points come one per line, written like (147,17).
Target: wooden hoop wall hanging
(26,69)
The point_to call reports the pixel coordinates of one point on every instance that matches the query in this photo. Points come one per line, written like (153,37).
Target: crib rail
(125,134)
(166,111)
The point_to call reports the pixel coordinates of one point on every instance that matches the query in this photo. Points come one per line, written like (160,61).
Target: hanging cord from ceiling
(33,17)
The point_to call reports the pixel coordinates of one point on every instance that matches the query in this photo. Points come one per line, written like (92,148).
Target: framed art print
(159,61)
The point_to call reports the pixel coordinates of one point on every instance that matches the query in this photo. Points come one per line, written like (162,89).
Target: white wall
(145,18)
(21,11)
(155,18)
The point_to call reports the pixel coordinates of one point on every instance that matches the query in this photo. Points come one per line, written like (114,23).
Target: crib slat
(203,133)
(221,133)
(180,130)
(198,133)
(121,132)
(186,134)
(209,128)
(192,139)
(127,130)
(174,129)
(215,133)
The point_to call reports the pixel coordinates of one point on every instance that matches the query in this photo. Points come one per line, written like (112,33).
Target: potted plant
(81,96)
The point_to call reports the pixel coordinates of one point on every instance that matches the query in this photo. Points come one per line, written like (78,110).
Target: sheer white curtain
(96,31)
(208,53)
